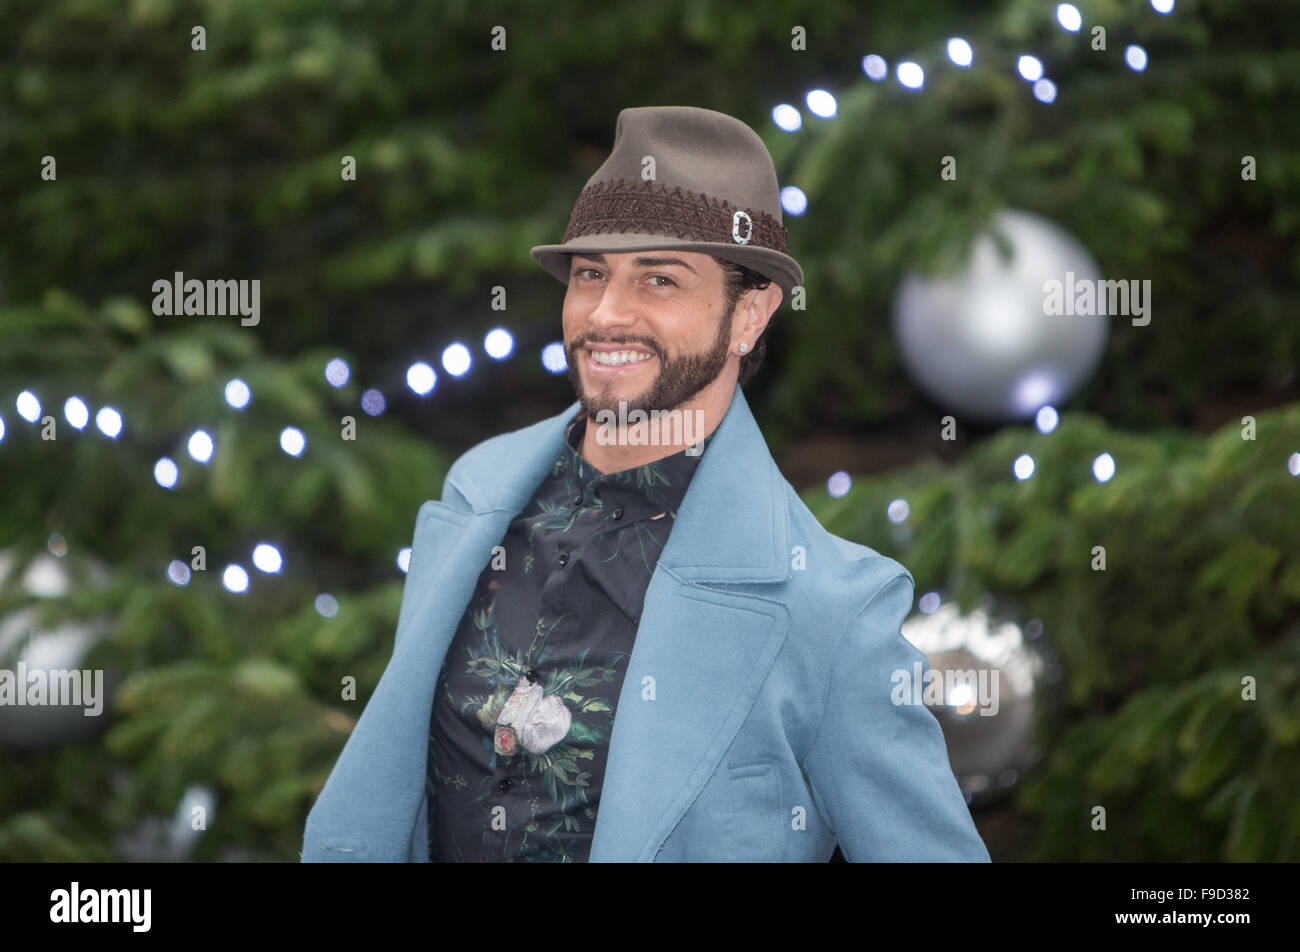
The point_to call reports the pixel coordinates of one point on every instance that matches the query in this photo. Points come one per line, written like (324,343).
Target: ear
(755,308)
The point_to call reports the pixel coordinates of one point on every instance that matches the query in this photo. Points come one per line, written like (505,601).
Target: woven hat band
(640,207)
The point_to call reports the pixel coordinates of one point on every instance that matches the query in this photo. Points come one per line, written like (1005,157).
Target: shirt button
(618,513)
(505,785)
(564,558)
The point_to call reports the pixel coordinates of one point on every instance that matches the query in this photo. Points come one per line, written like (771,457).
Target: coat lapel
(704,644)
(452,545)
(377,785)
(702,650)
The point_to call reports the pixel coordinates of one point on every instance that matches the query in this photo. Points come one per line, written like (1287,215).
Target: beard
(679,378)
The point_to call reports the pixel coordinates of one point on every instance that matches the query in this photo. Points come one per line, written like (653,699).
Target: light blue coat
(755,720)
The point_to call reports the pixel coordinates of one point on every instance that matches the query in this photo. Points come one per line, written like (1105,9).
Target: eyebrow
(642,262)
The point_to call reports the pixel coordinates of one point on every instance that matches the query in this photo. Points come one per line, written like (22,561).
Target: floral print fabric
(525,701)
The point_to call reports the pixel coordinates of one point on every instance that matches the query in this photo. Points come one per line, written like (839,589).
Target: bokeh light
(337,372)
(421,378)
(267,558)
(76,412)
(238,394)
(1103,467)
(553,358)
(199,446)
(821,103)
(456,359)
(499,343)
(165,473)
(235,579)
(292,441)
(109,422)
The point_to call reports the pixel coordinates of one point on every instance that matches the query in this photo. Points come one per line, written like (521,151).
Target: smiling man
(613,648)
(621,314)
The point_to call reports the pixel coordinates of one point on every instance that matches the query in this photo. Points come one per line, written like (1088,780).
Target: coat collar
(731,527)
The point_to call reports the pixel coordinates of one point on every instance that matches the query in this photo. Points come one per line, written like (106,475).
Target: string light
(29,408)
(238,394)
(292,441)
(839,483)
(961,54)
(1067,14)
(109,422)
(499,343)
(793,200)
(165,473)
(910,74)
(1030,67)
(421,378)
(1046,419)
(178,573)
(200,446)
(267,558)
(1103,467)
(553,358)
(235,579)
(821,103)
(456,359)
(76,413)
(787,118)
(875,67)
(337,372)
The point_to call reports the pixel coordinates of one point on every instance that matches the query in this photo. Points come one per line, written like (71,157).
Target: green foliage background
(225,163)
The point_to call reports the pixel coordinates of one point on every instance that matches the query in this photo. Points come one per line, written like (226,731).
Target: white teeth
(618,357)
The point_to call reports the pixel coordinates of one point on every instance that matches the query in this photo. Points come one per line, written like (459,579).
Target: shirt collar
(659,485)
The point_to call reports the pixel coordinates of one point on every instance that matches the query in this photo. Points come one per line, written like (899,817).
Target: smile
(618,358)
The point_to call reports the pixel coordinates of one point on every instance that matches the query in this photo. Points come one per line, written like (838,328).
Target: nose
(614,310)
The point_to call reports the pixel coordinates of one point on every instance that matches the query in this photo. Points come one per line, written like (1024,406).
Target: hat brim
(780,268)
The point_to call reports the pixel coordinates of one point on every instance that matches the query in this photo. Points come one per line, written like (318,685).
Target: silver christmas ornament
(987,681)
(990,343)
(48,696)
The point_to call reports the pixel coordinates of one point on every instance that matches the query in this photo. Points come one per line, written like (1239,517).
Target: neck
(613,442)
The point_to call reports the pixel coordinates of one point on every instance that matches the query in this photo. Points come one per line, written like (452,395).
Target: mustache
(585,339)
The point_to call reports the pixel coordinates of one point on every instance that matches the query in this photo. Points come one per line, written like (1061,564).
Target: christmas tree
(209,488)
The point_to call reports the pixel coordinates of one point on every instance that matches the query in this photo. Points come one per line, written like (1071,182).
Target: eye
(664,277)
(581,272)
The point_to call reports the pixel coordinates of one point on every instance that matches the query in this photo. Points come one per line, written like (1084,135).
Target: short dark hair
(736,280)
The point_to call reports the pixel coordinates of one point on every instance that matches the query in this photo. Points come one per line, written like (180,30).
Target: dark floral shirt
(524,706)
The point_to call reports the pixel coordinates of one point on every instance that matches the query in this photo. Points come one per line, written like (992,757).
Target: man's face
(664,308)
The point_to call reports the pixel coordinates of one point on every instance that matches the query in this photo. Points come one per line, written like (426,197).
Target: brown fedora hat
(714,191)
